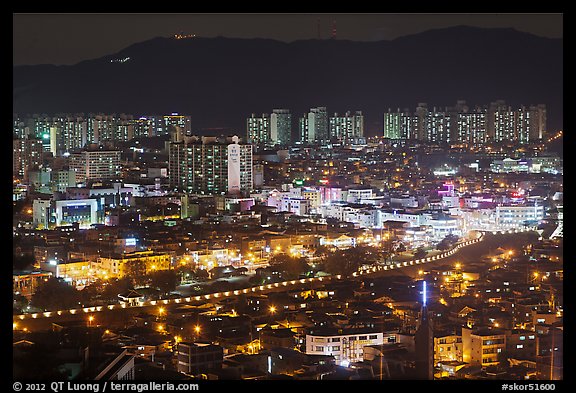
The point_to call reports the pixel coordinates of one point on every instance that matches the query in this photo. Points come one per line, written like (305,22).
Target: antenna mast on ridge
(334,29)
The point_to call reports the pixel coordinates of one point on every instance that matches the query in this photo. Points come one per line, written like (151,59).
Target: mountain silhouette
(221,81)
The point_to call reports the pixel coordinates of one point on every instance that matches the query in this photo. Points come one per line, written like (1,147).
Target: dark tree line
(291,267)
(346,262)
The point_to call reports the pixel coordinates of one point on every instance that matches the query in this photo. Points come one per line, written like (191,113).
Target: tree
(443,245)
(23,261)
(447,242)
(398,246)
(367,255)
(19,303)
(164,280)
(137,270)
(256,280)
(503,364)
(91,293)
(113,287)
(241,304)
(343,262)
(221,286)
(452,238)
(293,267)
(185,273)
(280,259)
(322,251)
(202,274)
(55,294)
(420,253)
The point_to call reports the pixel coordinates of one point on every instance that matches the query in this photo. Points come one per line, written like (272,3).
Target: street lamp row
(270,286)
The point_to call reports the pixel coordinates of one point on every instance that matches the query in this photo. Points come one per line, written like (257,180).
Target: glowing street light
(272,310)
(196,332)
(90,320)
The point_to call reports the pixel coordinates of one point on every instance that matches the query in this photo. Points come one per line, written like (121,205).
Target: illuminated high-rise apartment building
(504,127)
(538,122)
(471,128)
(281,127)
(21,127)
(420,122)
(258,129)
(95,163)
(346,128)
(142,126)
(100,128)
(314,126)
(174,122)
(397,125)
(27,155)
(437,126)
(460,124)
(210,165)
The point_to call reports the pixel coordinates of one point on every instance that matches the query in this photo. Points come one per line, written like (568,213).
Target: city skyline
(228,197)
(460,123)
(220,81)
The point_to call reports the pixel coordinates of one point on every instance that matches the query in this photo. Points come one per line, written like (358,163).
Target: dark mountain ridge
(221,81)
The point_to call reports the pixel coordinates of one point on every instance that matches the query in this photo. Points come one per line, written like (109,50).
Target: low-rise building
(447,348)
(346,345)
(521,344)
(482,346)
(277,338)
(74,272)
(517,216)
(25,282)
(133,264)
(195,357)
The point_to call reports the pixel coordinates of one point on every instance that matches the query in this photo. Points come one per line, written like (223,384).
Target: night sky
(71,38)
